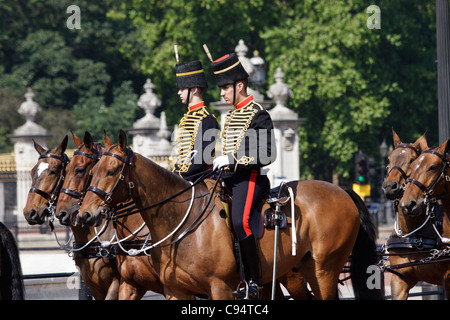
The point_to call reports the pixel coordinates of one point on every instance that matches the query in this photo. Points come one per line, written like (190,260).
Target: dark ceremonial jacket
(196,139)
(247,138)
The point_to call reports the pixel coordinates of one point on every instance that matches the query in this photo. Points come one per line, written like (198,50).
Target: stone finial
(279,91)
(148,101)
(241,51)
(29,108)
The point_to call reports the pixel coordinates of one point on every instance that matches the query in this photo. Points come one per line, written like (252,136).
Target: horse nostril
(394,186)
(409,206)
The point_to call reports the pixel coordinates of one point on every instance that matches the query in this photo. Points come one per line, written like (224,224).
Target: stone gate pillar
(286,123)
(24,153)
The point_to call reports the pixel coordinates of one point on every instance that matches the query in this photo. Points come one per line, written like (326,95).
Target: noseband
(428,191)
(127,163)
(53,196)
(95,156)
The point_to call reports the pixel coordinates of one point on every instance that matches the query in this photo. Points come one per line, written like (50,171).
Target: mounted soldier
(198,128)
(248,145)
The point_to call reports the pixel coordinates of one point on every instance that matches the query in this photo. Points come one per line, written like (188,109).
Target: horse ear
(122,140)
(38,148)
(63,145)
(421,143)
(445,147)
(108,142)
(397,140)
(76,140)
(88,141)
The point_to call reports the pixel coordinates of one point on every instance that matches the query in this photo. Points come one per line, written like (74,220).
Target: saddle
(265,216)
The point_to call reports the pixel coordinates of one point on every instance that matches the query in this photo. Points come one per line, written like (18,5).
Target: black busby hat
(190,75)
(228,69)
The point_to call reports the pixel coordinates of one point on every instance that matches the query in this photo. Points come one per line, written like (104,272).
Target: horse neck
(153,184)
(408,223)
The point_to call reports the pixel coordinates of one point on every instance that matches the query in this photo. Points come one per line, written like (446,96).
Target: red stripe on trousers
(248,202)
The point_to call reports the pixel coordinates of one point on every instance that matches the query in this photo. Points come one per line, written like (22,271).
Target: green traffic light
(361,179)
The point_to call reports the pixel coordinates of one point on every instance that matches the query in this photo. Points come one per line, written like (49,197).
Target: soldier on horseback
(248,145)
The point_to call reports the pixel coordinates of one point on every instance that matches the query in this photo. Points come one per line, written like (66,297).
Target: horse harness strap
(95,156)
(127,162)
(428,191)
(55,192)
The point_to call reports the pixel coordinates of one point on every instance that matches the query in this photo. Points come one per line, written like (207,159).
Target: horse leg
(221,291)
(113,290)
(446,284)
(128,291)
(296,286)
(323,280)
(400,288)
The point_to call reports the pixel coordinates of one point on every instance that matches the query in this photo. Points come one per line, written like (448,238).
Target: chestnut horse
(137,274)
(100,274)
(402,251)
(428,184)
(193,251)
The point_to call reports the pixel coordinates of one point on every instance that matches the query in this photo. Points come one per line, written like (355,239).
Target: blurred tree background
(352,83)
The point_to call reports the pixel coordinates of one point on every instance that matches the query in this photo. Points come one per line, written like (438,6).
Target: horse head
(399,168)
(77,179)
(108,185)
(428,179)
(47,176)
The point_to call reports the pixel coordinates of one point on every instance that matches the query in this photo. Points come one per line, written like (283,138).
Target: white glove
(220,162)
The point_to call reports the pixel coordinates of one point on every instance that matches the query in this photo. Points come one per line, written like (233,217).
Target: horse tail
(364,253)
(11,280)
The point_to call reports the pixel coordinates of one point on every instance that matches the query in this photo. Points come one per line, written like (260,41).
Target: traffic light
(362,169)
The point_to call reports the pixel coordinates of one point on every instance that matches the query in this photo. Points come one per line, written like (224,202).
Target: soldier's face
(226,92)
(183,94)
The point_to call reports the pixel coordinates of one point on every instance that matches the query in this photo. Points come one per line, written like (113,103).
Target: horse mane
(172,179)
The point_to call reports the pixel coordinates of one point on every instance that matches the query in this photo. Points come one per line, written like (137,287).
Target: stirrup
(250,291)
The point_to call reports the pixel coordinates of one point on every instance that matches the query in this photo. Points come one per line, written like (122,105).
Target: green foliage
(353,84)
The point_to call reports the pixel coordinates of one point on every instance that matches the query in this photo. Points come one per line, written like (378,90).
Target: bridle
(127,162)
(96,157)
(53,196)
(428,191)
(402,172)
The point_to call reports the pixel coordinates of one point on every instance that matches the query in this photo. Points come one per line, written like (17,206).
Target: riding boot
(252,270)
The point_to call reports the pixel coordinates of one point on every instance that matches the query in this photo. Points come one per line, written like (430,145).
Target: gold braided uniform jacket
(248,138)
(196,139)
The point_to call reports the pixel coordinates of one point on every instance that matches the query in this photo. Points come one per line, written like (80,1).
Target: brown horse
(399,165)
(137,274)
(100,274)
(193,250)
(404,250)
(428,184)
(11,280)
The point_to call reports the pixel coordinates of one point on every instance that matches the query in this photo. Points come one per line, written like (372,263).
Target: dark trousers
(248,188)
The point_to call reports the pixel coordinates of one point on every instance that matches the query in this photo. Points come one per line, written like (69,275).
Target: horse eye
(432,168)
(110,172)
(411,161)
(52,172)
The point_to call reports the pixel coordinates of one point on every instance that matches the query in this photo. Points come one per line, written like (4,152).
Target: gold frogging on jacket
(187,132)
